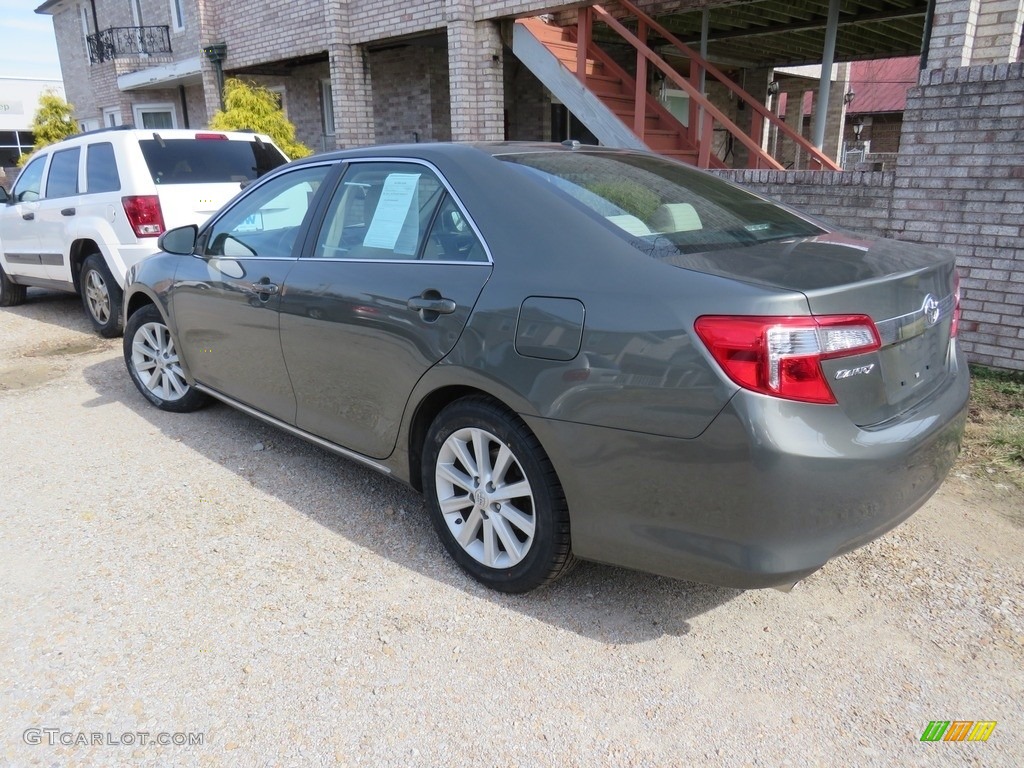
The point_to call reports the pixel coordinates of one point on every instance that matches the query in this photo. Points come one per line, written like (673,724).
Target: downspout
(184,105)
(96,29)
(926,38)
(825,84)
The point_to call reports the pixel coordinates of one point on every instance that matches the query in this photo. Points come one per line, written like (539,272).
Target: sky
(29,48)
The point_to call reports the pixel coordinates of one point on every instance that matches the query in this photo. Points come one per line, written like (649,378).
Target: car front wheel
(152,361)
(494,497)
(101,296)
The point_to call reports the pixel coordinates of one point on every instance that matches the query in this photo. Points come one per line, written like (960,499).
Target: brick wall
(960,184)
(861,201)
(406,107)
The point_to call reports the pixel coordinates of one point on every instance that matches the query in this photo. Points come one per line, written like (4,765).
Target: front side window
(266,223)
(63,178)
(661,207)
(395,211)
(30,182)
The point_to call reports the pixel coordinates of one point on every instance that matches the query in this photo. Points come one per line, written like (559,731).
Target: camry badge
(846,373)
(931,310)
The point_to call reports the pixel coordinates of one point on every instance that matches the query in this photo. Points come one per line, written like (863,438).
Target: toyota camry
(573,353)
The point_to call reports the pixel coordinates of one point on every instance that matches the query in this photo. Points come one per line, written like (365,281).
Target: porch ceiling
(791,32)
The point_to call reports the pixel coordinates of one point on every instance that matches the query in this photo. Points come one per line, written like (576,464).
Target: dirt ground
(261,602)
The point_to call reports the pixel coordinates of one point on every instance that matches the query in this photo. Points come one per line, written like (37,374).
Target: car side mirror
(180,241)
(4,197)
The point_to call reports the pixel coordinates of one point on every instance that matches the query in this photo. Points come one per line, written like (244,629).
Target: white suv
(84,210)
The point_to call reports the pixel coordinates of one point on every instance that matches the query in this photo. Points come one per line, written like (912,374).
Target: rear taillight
(954,327)
(144,214)
(781,356)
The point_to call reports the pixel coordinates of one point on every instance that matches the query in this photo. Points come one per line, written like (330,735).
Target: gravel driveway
(209,578)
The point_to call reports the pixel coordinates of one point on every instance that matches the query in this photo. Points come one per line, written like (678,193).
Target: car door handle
(28,216)
(268,288)
(67,212)
(440,305)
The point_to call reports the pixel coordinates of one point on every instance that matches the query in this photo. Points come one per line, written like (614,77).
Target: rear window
(208,161)
(661,207)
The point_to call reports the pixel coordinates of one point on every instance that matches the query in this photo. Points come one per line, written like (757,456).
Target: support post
(825,84)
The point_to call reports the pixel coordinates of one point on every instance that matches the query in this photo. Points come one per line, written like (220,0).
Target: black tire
(149,350)
(11,294)
(101,296)
(543,555)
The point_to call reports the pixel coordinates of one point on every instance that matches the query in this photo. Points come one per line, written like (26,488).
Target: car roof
(450,150)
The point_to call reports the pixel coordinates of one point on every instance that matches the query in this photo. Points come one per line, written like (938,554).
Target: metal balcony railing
(115,42)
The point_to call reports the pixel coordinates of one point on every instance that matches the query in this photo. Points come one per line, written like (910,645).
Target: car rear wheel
(494,497)
(101,296)
(11,294)
(152,361)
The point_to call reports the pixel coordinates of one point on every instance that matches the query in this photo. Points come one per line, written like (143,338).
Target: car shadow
(63,310)
(384,516)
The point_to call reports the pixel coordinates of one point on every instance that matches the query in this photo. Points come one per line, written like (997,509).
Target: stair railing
(703,113)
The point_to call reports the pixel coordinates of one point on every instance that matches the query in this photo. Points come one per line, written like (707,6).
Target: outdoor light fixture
(773,87)
(216,52)
(858,126)
(849,97)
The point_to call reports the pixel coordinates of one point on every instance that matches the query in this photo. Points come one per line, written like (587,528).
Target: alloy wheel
(485,498)
(156,362)
(97,295)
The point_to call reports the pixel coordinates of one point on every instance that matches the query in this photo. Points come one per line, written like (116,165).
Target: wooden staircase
(662,132)
(576,69)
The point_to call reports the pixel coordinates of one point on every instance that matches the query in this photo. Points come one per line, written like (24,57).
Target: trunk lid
(907,290)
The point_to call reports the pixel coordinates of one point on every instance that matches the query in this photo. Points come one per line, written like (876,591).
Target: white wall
(19,99)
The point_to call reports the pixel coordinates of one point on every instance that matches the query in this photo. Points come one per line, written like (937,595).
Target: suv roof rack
(106,129)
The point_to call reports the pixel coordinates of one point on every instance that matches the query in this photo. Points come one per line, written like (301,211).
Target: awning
(185,72)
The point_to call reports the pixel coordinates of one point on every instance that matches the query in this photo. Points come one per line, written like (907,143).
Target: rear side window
(208,161)
(663,208)
(63,178)
(101,168)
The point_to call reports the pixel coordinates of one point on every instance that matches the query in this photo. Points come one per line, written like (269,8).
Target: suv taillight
(781,356)
(144,214)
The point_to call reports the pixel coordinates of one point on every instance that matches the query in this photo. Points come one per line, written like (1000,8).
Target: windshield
(208,161)
(661,207)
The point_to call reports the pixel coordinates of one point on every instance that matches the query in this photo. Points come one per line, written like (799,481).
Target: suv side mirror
(4,197)
(180,241)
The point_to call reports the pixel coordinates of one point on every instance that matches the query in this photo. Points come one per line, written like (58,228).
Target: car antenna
(571,144)
(159,139)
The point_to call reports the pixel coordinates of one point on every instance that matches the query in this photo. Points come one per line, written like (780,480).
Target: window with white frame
(327,108)
(111,117)
(155,116)
(89,124)
(177,15)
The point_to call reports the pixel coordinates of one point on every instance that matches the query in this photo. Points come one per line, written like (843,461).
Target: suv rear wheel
(101,296)
(11,294)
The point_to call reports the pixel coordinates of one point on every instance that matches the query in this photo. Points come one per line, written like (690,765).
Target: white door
(18,225)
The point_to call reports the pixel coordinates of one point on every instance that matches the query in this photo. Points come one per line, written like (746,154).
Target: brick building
(354,72)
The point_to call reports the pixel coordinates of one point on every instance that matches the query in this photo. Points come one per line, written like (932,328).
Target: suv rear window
(663,208)
(208,161)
